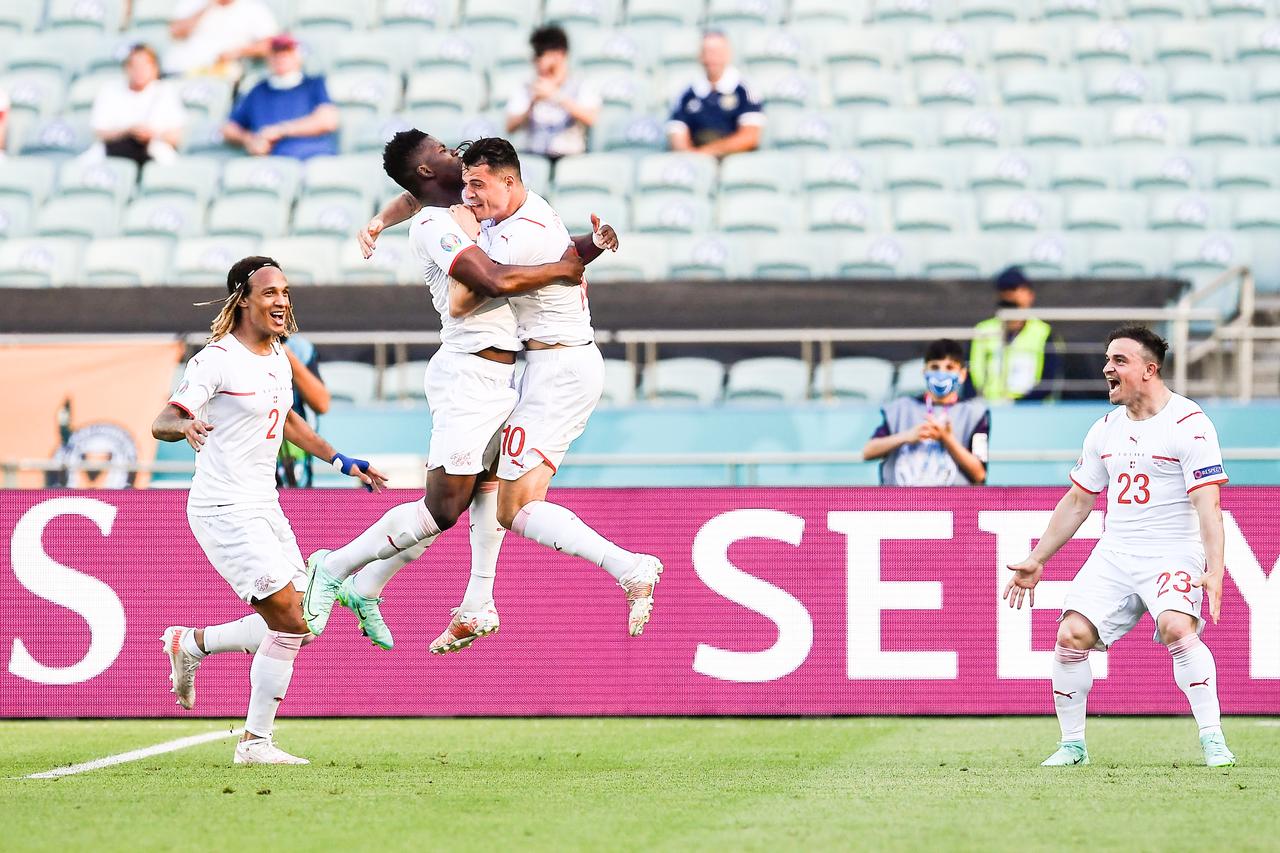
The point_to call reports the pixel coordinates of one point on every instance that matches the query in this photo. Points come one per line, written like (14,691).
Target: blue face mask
(942,383)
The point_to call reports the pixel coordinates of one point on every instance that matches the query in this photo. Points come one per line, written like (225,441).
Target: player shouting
(1157,456)
(234,407)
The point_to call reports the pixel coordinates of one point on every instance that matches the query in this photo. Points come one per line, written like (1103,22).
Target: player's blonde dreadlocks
(238,288)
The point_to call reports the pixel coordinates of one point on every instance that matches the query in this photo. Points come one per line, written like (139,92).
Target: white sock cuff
(1064,654)
(281,646)
(1180,648)
(521,521)
(187,641)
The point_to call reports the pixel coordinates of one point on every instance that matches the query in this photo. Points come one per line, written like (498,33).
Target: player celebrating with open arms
(1157,456)
(234,407)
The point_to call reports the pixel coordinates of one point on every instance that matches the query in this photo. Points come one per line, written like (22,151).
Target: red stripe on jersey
(238,393)
(190,414)
(1105,456)
(544,458)
(215,346)
(1090,491)
(1221,482)
(454,262)
(1192,415)
(1164,458)
(534,221)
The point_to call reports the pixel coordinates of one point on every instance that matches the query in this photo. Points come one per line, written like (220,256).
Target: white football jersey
(246,397)
(1149,468)
(534,234)
(437,242)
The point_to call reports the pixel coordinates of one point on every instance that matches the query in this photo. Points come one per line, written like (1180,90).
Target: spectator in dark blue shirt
(717,115)
(288,114)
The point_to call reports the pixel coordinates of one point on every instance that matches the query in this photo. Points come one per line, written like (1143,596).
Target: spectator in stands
(139,117)
(293,465)
(289,114)
(717,115)
(212,36)
(1014,360)
(937,439)
(4,121)
(554,109)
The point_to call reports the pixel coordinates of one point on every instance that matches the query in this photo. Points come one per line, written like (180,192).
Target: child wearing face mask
(936,439)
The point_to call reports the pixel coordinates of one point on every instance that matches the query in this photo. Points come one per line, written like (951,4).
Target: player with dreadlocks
(234,407)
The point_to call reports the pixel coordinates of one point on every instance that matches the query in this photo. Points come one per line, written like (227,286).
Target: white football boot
(639,587)
(261,750)
(465,628)
(182,666)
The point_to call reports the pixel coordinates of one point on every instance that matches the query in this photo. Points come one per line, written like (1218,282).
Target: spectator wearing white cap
(140,116)
(212,36)
(289,114)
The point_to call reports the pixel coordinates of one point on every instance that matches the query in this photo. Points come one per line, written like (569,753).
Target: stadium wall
(774,601)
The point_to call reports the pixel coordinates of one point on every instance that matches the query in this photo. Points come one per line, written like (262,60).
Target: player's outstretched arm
(593,245)
(298,432)
(393,212)
(175,424)
(486,280)
(1067,517)
(1208,503)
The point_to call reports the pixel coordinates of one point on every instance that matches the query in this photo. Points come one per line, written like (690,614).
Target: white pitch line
(136,754)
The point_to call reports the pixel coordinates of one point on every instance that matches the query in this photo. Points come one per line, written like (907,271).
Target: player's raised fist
(603,235)
(368,236)
(1023,583)
(1211,582)
(196,433)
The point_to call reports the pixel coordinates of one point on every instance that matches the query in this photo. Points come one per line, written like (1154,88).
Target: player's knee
(1174,627)
(445,511)
(1075,632)
(507,515)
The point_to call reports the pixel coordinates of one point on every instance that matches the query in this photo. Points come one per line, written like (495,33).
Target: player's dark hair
(945,348)
(550,37)
(1156,347)
(142,47)
(238,287)
(492,151)
(397,156)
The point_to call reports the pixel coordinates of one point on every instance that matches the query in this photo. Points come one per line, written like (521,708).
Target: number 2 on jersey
(274,415)
(1139,484)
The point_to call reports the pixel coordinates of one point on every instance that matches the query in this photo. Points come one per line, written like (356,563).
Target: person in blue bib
(937,439)
(289,114)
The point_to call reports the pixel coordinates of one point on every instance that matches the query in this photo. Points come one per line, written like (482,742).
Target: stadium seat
(952,87)
(334,18)
(668,215)
(774,379)
(787,89)
(896,129)
(1084,170)
(621,92)
(386,51)
(688,380)
(1044,255)
(16,216)
(828,13)
(1041,87)
(41,261)
(393,262)
(333,216)
(59,137)
(1256,44)
(188,177)
(862,87)
(404,381)
(1223,126)
(1174,170)
(731,14)
(350,381)
(946,48)
(1012,212)
(1187,212)
(1241,170)
(635,134)
(83,217)
(1104,211)
(448,50)
(1128,255)
(17,19)
(1266,86)
(619,383)
(933,212)
(364,94)
(205,98)
(273,177)
(584,14)
(127,261)
(642,257)
(1201,85)
(774,171)
(1209,255)
(443,89)
(60,54)
(677,57)
(978,128)
(30,178)
(417,17)
(85,88)
(575,212)
(807,131)
(682,173)
(987,12)
(204,139)
(849,212)
(1150,126)
(908,379)
(802,256)
(1024,48)
(1107,44)
(508,56)
(1191,43)
(594,173)
(913,13)
(500,15)
(839,171)
(705,256)
(1062,127)
(1123,86)
(959,256)
(169,216)
(845,48)
(1156,10)
(922,170)
(665,14)
(1241,9)
(248,216)
(310,259)
(1006,170)
(204,261)
(1257,211)
(114,178)
(772,49)
(881,256)
(759,212)
(1071,11)
(352,176)
(853,378)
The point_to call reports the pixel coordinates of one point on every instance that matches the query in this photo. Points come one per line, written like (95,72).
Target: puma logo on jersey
(1204,683)
(1070,695)
(1198,438)
(1133,439)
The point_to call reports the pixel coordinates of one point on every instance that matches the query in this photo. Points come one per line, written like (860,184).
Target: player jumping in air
(234,407)
(1157,456)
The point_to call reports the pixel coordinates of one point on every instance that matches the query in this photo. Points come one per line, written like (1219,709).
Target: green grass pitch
(645,784)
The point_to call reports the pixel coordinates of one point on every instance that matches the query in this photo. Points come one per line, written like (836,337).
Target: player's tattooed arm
(300,434)
(1207,501)
(175,424)
(1067,517)
(393,212)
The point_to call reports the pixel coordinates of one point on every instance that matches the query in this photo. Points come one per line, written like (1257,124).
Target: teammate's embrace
(1157,456)
(234,407)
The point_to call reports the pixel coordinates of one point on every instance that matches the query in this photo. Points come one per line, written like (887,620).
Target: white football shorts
(558,392)
(252,546)
(1113,590)
(470,398)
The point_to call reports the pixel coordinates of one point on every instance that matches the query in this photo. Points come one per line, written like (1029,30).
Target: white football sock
(242,635)
(1197,675)
(486,542)
(399,529)
(1072,680)
(373,578)
(269,680)
(556,527)
(188,643)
